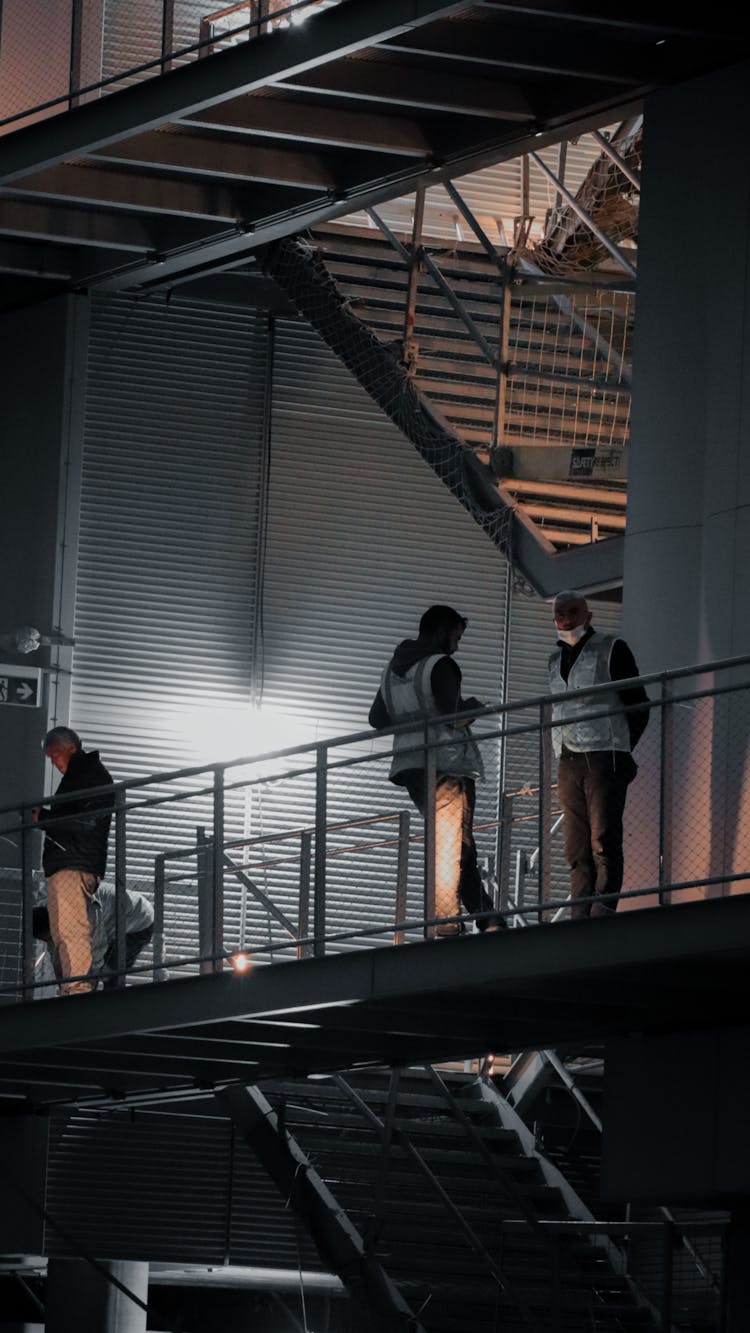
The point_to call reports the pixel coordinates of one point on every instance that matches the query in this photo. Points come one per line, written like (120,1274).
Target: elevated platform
(667,970)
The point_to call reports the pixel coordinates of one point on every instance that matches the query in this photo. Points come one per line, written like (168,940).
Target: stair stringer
(577,1210)
(377,1298)
(298,268)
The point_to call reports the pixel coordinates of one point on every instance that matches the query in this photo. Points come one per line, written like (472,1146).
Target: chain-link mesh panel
(59,54)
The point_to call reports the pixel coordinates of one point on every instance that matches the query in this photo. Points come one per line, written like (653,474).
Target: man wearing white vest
(595,763)
(422,681)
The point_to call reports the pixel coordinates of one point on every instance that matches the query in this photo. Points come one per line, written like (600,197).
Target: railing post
(76,46)
(402,871)
(502,849)
(27,902)
(545,803)
(159,881)
(205,924)
(430,786)
(321,819)
(167,35)
(217,879)
(305,861)
(120,883)
(666,792)
(666,1276)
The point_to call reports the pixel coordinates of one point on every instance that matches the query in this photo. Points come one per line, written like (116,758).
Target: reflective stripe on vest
(410,696)
(591,667)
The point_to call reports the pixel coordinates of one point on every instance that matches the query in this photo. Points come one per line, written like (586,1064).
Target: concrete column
(688,537)
(80,1298)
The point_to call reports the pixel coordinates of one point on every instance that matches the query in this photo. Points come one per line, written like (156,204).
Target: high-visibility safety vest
(410,696)
(591,667)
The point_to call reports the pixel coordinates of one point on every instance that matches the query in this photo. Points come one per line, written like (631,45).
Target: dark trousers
(591,788)
(471,890)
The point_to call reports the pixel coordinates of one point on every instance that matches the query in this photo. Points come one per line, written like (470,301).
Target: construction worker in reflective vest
(595,763)
(422,681)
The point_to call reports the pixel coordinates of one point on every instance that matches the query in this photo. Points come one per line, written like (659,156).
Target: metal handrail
(352,738)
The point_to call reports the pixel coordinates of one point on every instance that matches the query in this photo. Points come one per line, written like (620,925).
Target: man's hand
(35,813)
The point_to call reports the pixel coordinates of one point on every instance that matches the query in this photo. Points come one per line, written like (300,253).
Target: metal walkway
(681,969)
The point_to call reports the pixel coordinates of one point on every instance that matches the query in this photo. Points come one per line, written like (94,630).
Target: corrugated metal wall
(194,558)
(166,591)
(170,1188)
(362,538)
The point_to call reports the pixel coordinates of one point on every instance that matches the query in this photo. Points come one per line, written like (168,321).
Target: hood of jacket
(410,651)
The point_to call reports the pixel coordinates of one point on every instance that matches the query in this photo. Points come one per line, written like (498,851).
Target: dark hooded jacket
(445,681)
(77,831)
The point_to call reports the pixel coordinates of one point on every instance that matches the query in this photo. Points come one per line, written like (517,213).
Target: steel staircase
(510,465)
(451,1207)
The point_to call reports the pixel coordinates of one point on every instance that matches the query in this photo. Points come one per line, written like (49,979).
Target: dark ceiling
(189,172)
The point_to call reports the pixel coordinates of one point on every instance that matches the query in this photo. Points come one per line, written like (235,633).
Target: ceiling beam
(34,260)
(302,121)
(70,224)
(414,86)
(132,190)
(637,17)
(251,65)
(525,52)
(210,155)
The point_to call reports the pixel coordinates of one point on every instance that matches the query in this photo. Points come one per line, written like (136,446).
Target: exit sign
(20,686)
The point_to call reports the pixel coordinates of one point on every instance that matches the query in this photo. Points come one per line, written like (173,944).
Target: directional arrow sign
(20,686)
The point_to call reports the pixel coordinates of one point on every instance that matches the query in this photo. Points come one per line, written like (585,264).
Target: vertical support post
(120,883)
(519,892)
(321,819)
(167,35)
(412,282)
(562,157)
(205,931)
(76,46)
(305,861)
(666,793)
(27,903)
(158,946)
(430,852)
(402,871)
(501,395)
(525,190)
(217,886)
(502,848)
(666,1275)
(545,802)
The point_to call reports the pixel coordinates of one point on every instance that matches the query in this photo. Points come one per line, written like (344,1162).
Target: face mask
(571,636)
